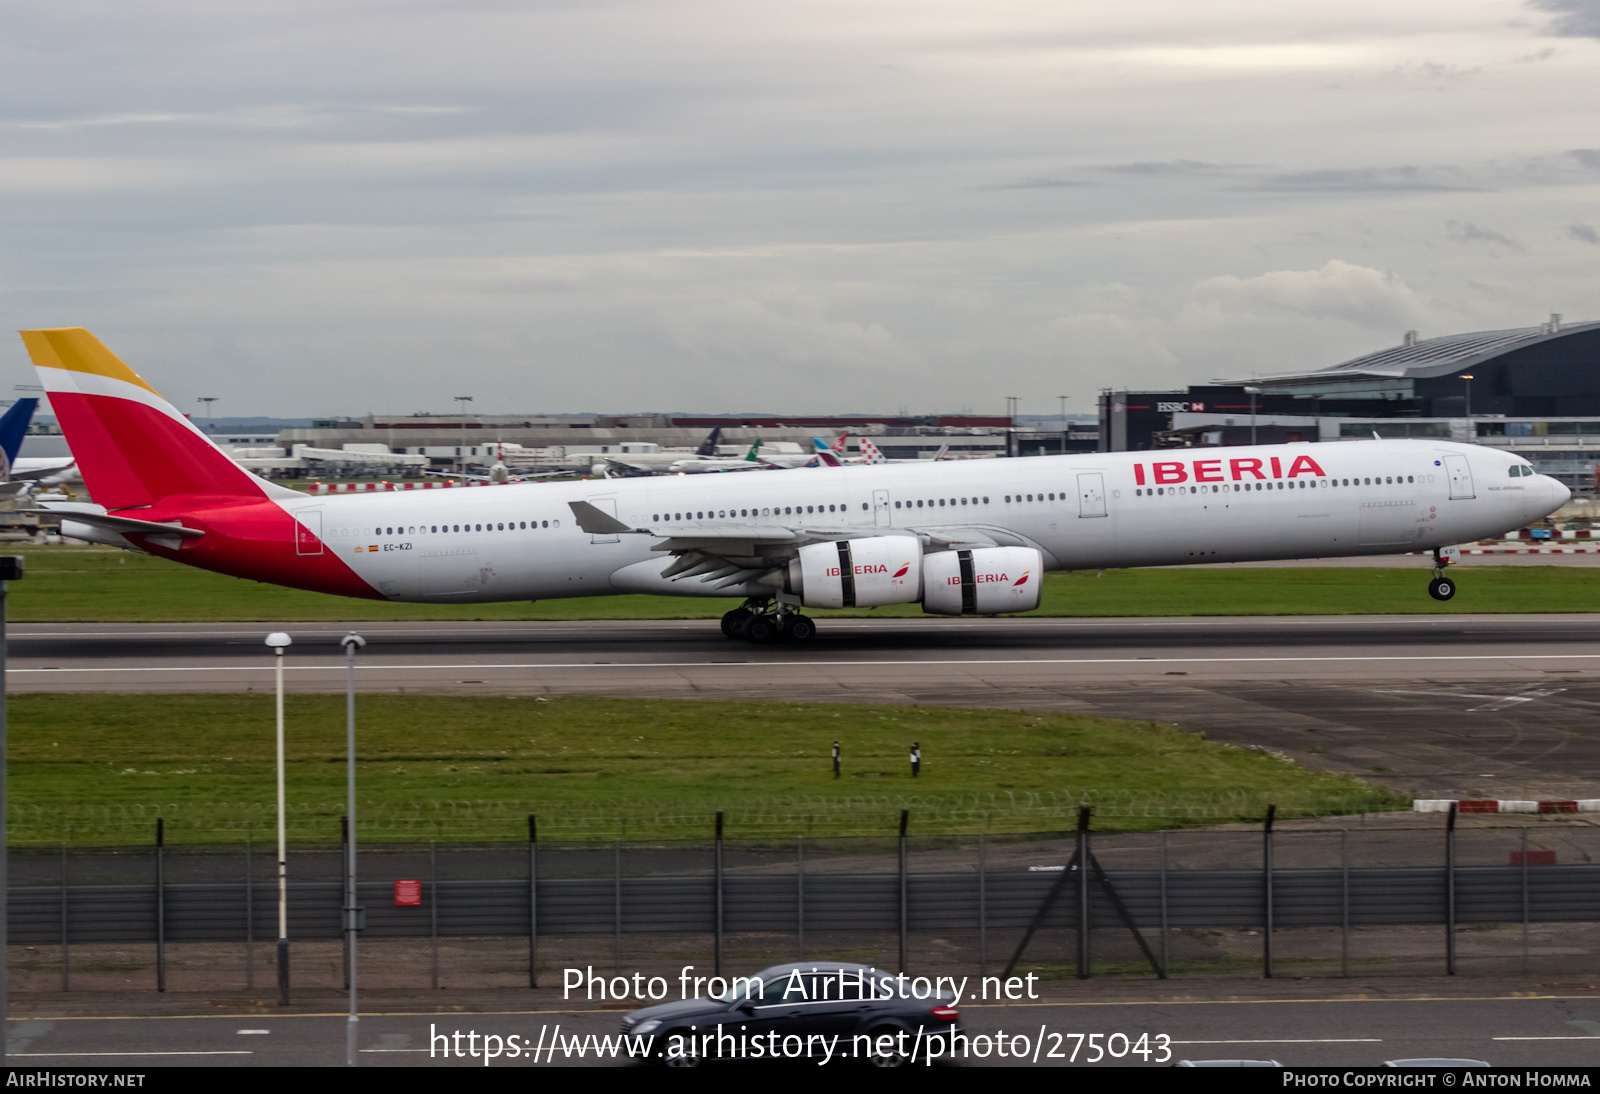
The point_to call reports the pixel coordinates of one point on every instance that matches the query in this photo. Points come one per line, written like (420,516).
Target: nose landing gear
(761,622)
(1441,587)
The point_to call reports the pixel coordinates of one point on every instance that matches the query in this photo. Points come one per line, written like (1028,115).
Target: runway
(1494,706)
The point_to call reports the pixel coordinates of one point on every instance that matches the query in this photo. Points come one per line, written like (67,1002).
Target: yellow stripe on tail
(76,350)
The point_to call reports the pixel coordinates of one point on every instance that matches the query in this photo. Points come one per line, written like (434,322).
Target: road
(1305,1022)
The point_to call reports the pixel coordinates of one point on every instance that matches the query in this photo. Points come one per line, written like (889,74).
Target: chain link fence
(1368,901)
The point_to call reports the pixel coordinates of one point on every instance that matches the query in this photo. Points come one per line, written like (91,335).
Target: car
(804,1010)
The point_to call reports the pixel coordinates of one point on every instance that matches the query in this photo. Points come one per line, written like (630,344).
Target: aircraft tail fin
(708,447)
(132,446)
(13,427)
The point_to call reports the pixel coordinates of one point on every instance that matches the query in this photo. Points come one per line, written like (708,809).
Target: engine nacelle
(983,581)
(858,573)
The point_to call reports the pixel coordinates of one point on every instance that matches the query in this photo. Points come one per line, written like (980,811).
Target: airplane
(29,472)
(655,463)
(870,453)
(971,537)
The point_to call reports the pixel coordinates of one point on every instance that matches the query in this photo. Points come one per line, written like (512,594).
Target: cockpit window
(1520,470)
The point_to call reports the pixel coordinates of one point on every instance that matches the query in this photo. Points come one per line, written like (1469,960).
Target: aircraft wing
(734,554)
(32,473)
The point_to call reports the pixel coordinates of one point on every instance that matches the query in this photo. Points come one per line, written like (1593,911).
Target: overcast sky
(623,205)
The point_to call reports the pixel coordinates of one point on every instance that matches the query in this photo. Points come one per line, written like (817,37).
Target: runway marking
(1565,1037)
(225,1052)
(1512,700)
(1294,1041)
(557,666)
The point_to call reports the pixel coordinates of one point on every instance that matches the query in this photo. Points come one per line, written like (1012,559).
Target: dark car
(832,1011)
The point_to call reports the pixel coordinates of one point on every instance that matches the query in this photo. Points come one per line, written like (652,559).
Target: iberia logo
(1023,580)
(903,570)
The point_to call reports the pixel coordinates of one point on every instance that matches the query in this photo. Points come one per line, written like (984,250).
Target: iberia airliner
(960,538)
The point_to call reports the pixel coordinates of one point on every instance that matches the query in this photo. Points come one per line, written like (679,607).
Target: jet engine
(983,581)
(858,573)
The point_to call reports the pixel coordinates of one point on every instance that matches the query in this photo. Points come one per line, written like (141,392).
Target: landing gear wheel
(798,628)
(762,630)
(1441,588)
(735,622)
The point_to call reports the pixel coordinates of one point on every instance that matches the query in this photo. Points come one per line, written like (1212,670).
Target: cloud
(1584,233)
(1173,167)
(1464,231)
(1042,184)
(1574,18)
(1368,180)
(1338,290)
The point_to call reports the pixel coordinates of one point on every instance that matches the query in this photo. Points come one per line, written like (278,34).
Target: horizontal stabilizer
(122,525)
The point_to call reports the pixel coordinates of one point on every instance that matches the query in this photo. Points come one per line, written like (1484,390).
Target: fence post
(1266,872)
(716,941)
(905,817)
(533,901)
(983,907)
(66,962)
(1083,892)
(1344,901)
(800,897)
(1524,831)
(433,908)
(616,904)
(1165,960)
(161,905)
(249,915)
(1450,892)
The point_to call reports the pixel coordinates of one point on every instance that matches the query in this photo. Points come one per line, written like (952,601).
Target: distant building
(1533,390)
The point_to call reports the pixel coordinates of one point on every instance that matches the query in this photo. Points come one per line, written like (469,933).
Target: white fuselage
(521,541)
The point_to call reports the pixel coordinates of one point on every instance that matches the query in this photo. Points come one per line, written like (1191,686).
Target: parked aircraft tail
(708,447)
(13,427)
(133,447)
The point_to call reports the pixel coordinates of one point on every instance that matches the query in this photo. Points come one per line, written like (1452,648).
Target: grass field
(98,769)
(93,584)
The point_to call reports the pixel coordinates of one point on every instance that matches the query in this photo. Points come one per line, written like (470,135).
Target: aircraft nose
(1559,494)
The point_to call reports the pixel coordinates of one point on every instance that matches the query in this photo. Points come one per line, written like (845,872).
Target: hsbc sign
(1180,408)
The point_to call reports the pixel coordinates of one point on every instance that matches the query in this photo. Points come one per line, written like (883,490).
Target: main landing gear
(763,622)
(1441,587)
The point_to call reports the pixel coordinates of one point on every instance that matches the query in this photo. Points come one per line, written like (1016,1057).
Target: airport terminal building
(1534,390)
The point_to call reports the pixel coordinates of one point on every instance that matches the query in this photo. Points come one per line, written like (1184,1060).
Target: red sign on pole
(407,893)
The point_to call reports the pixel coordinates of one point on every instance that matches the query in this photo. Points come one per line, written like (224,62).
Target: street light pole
(278,641)
(460,400)
(352,913)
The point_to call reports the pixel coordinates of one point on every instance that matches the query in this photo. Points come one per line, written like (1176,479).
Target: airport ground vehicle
(959,538)
(802,1010)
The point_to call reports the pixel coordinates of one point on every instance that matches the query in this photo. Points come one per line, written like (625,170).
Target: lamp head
(278,640)
(352,641)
